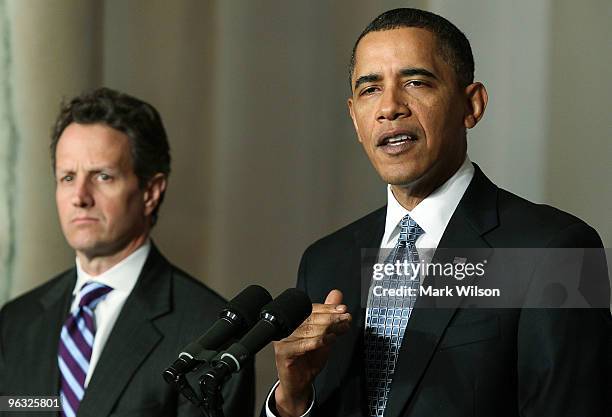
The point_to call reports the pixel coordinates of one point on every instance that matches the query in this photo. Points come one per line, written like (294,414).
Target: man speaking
(100,334)
(413,97)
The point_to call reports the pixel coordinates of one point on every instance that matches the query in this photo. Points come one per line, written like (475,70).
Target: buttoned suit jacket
(459,361)
(166,310)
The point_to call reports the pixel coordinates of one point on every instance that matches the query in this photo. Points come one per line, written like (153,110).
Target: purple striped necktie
(75,346)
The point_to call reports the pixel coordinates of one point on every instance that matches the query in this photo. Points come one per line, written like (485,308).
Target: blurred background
(253,96)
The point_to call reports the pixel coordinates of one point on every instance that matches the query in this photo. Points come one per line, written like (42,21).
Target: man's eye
(104,177)
(415,83)
(67,178)
(368,90)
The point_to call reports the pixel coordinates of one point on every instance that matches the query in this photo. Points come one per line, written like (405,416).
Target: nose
(82,196)
(392,106)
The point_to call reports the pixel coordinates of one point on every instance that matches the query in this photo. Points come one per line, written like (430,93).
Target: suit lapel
(132,339)
(44,373)
(475,215)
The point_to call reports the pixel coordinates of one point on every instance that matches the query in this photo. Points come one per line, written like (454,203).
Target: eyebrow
(409,72)
(406,72)
(367,79)
(92,170)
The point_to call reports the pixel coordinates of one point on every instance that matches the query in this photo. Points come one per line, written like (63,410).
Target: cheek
(62,203)
(438,121)
(363,121)
(132,204)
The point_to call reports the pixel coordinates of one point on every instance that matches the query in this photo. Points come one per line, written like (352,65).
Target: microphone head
(289,310)
(248,303)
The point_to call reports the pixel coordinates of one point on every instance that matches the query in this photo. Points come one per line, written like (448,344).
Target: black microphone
(278,320)
(240,314)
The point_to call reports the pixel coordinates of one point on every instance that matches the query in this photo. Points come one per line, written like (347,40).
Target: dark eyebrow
(367,79)
(409,72)
(406,72)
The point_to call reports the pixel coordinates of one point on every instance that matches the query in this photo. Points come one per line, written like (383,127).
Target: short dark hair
(139,120)
(452,43)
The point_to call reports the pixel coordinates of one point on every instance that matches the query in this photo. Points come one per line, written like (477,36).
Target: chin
(87,246)
(400,179)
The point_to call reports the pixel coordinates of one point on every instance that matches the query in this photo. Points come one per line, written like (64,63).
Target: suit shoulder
(346,235)
(544,225)
(187,288)
(25,302)
(194,307)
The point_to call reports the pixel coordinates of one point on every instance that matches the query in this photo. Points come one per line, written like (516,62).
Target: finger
(327,319)
(315,329)
(328,308)
(334,297)
(291,348)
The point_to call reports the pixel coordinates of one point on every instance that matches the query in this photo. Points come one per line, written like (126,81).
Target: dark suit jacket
(166,310)
(469,362)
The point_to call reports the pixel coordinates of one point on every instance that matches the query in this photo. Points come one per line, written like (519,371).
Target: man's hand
(302,355)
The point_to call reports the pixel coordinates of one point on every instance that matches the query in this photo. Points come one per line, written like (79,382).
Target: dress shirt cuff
(271,403)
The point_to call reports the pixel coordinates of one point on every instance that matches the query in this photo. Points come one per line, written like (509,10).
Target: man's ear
(153,192)
(477,97)
(349,102)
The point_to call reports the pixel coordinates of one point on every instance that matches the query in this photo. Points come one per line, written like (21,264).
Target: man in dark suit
(413,97)
(100,334)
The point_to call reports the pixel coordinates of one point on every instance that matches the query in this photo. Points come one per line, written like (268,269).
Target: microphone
(239,315)
(278,320)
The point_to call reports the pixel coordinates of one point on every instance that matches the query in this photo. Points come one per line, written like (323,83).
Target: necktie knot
(409,231)
(92,293)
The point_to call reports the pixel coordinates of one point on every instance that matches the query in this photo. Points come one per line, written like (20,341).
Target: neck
(411,195)
(98,264)
(406,197)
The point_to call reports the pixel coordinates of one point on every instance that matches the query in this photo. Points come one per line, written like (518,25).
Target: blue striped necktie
(387,318)
(75,346)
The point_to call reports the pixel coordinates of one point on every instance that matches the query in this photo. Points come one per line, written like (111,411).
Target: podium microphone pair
(253,316)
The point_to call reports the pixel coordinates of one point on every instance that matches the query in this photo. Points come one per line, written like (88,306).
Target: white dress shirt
(432,214)
(121,278)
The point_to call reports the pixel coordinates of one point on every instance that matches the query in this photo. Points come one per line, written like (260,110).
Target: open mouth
(397,143)
(397,140)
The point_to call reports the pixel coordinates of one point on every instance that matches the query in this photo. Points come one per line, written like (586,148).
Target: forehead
(394,49)
(93,144)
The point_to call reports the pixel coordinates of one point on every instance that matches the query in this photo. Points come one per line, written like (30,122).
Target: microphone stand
(211,402)
(211,384)
(217,372)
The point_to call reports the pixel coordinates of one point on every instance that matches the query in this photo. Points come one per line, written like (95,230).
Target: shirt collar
(434,212)
(121,277)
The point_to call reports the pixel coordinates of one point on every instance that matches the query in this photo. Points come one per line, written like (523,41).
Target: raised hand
(302,355)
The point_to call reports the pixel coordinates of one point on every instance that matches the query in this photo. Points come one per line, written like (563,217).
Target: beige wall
(579,174)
